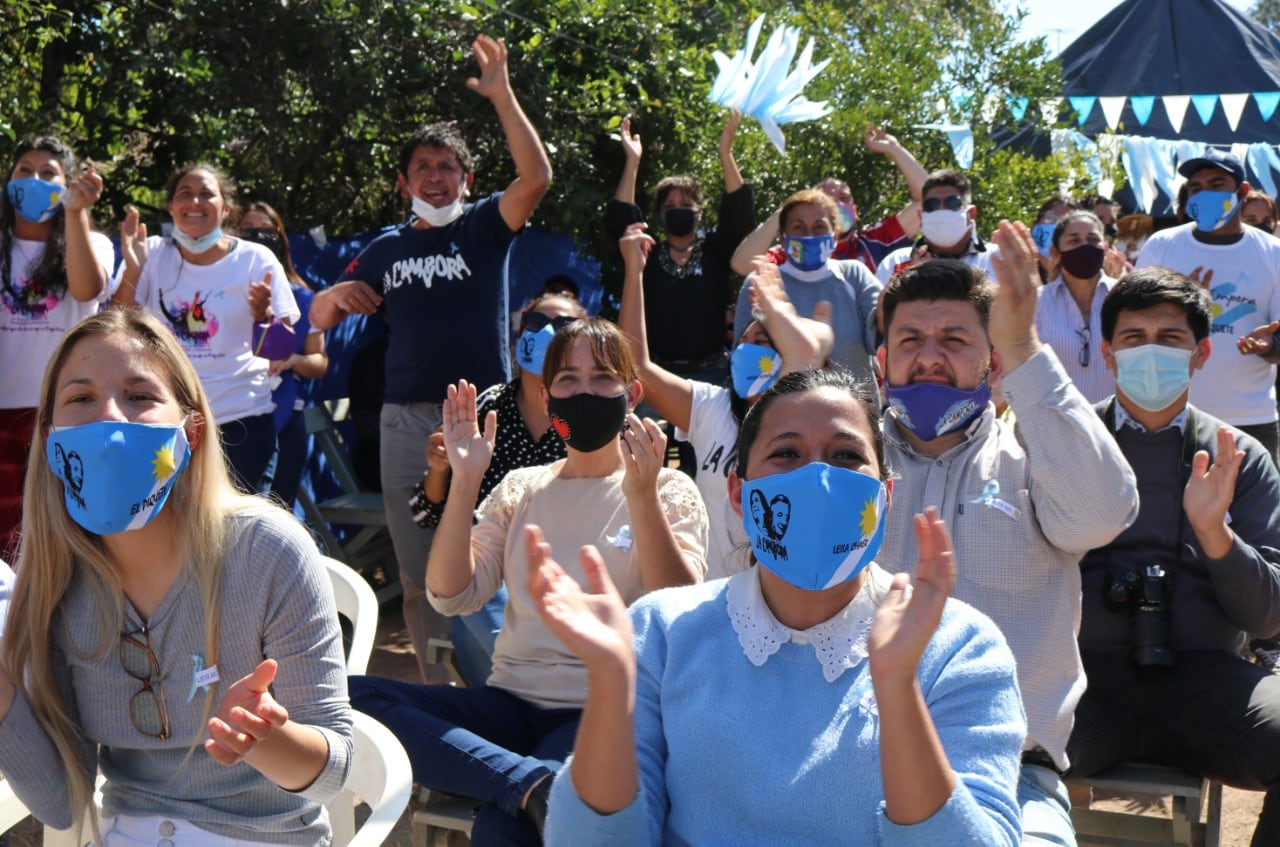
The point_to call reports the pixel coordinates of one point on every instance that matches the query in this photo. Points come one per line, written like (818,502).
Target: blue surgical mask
(1153,376)
(816,526)
(531,348)
(754,368)
(1211,209)
(809,252)
(930,409)
(116,475)
(1042,234)
(198,245)
(34,199)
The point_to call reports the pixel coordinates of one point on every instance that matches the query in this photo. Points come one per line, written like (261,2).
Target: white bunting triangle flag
(1233,106)
(1175,105)
(1111,109)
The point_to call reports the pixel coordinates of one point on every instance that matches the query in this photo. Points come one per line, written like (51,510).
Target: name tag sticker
(989,498)
(202,678)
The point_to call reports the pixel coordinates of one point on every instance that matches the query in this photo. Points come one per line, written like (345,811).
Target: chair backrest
(321,425)
(381,777)
(358,604)
(12,811)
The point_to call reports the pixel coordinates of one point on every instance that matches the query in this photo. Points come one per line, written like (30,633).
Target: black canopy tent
(1170,47)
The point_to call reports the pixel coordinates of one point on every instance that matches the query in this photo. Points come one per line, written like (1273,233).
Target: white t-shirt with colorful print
(207,307)
(33,320)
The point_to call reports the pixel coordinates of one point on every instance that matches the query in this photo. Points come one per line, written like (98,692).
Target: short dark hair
(947,176)
(441,134)
(687,184)
(1056,200)
(938,279)
(1071,217)
(1152,286)
(800,381)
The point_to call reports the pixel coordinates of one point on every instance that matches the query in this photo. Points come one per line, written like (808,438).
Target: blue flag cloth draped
(766,88)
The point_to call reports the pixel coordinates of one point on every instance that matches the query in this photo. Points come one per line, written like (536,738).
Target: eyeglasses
(535,321)
(952,202)
(1084,336)
(147,708)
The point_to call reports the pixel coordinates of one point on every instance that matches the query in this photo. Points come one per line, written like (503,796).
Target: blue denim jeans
(474,636)
(1046,809)
(483,743)
(250,447)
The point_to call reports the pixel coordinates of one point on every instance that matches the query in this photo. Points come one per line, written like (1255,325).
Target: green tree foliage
(304,102)
(1267,13)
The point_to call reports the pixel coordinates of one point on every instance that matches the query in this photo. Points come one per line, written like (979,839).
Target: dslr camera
(1146,595)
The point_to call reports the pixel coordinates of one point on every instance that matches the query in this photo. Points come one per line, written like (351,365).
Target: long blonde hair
(53,545)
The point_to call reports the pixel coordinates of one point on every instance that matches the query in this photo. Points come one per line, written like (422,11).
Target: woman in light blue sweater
(813,700)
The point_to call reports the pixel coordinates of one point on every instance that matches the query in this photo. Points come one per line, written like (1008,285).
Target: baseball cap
(1214,158)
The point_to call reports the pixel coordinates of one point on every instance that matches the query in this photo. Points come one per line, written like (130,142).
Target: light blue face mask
(116,475)
(1211,209)
(1153,375)
(198,245)
(1042,234)
(754,368)
(531,348)
(809,252)
(816,526)
(34,199)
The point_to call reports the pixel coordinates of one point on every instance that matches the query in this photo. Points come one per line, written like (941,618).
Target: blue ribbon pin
(202,678)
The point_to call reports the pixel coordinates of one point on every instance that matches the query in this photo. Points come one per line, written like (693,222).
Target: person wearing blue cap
(1240,268)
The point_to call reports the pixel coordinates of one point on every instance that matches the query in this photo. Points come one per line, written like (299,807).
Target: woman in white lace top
(810,700)
(501,743)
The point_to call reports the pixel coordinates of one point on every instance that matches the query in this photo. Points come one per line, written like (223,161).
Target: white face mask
(945,227)
(443,216)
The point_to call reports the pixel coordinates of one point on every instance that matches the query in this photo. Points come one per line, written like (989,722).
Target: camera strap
(1190,428)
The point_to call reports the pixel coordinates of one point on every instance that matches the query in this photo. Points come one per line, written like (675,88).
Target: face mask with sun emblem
(754,368)
(816,526)
(116,475)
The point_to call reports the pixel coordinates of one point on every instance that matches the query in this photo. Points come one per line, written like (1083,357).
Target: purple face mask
(931,410)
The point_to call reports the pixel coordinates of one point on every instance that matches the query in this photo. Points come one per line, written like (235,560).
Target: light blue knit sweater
(731,753)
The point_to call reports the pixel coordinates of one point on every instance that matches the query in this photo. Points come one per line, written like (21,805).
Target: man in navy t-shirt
(438,280)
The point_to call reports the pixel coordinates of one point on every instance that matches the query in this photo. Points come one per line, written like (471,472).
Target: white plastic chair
(356,602)
(12,811)
(381,777)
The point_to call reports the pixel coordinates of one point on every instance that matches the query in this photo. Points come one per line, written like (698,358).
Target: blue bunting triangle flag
(1082,106)
(1204,104)
(1142,107)
(1267,102)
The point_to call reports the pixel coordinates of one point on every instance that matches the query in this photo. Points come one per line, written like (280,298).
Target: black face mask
(679,222)
(588,422)
(267,238)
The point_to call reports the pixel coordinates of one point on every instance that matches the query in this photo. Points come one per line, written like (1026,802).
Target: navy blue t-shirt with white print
(445,300)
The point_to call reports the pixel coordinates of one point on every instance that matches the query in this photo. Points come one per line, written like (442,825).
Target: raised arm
(349,297)
(663,562)
(803,343)
(451,565)
(757,242)
(732,176)
(594,625)
(626,191)
(133,247)
(86,279)
(533,168)
(670,395)
(917,776)
(879,141)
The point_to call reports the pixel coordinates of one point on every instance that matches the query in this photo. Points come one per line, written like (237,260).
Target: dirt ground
(393,657)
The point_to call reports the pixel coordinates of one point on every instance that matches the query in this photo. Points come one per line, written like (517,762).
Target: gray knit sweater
(277,604)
